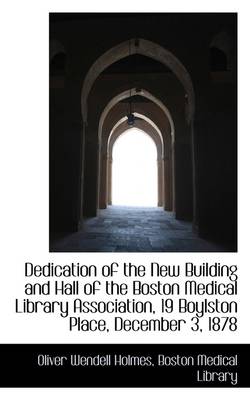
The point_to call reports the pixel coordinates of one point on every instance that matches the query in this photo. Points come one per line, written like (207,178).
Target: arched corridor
(134,170)
(177,87)
(152,117)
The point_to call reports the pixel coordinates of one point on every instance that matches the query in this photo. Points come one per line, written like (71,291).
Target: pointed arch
(132,92)
(148,49)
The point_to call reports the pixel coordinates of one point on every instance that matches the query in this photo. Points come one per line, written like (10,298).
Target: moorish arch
(165,133)
(145,48)
(133,92)
(144,123)
(170,62)
(90,180)
(148,127)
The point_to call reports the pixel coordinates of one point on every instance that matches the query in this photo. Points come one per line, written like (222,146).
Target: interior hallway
(133,229)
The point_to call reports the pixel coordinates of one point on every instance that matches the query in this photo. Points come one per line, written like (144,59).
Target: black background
(20,369)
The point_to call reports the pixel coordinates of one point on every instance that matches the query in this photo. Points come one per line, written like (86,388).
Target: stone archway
(135,177)
(145,48)
(147,126)
(89,204)
(132,92)
(166,195)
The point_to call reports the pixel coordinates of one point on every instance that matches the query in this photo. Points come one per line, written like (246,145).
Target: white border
(23,96)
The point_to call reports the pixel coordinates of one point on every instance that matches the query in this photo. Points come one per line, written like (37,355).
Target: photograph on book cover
(125,201)
(143,132)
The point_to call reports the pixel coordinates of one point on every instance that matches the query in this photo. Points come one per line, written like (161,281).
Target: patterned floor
(133,229)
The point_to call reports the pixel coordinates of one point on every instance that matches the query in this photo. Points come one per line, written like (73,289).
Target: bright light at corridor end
(134,172)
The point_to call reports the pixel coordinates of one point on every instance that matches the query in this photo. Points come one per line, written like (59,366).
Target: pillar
(103,181)
(109,180)
(160,181)
(91,170)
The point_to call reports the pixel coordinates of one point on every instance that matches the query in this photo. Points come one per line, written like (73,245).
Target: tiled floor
(133,229)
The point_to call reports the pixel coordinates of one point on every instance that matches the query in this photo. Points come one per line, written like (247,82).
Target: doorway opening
(134,170)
